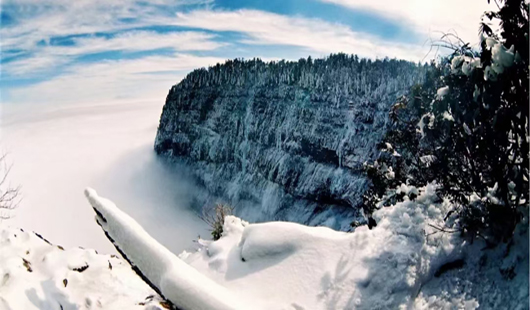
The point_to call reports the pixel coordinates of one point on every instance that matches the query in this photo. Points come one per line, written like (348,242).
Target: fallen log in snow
(178,282)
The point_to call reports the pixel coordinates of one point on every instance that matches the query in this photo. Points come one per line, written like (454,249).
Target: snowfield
(37,275)
(405,262)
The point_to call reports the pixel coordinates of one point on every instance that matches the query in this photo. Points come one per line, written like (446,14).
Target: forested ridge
(284,139)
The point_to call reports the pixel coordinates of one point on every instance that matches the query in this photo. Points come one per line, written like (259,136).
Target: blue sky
(62,51)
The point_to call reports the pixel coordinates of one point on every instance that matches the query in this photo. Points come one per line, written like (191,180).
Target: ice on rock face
(284,140)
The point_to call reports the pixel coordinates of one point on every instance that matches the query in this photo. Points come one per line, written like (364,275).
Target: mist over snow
(57,151)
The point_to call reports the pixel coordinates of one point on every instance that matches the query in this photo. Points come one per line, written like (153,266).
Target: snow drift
(406,262)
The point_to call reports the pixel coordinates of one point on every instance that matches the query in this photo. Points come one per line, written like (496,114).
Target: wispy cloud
(428,16)
(36,22)
(40,20)
(32,65)
(147,79)
(312,34)
(141,41)
(46,57)
(63,50)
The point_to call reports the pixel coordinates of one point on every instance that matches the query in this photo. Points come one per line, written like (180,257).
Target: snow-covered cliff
(284,140)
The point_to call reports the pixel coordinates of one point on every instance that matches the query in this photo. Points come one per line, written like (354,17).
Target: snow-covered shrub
(215,218)
(470,120)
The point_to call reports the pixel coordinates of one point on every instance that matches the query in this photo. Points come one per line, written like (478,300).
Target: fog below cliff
(57,151)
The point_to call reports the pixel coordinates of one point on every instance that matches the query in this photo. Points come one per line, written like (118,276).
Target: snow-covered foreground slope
(37,275)
(403,263)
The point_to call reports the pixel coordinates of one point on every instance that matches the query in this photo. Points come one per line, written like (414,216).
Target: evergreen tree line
(341,74)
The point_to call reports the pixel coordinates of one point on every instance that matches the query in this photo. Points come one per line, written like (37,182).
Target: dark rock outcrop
(284,140)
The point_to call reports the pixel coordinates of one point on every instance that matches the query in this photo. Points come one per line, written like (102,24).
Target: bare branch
(214,216)
(9,196)
(443,229)
(449,40)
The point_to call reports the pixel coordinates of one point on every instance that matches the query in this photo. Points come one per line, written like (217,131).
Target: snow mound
(166,273)
(290,266)
(35,274)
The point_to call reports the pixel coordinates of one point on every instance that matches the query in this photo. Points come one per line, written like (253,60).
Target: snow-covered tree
(466,128)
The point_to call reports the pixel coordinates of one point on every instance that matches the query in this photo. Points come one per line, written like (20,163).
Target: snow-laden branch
(178,282)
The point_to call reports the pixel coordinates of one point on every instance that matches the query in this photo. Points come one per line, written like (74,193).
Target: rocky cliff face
(284,140)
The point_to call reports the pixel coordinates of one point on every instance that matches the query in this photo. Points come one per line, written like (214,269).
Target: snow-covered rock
(488,279)
(405,262)
(284,140)
(35,274)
